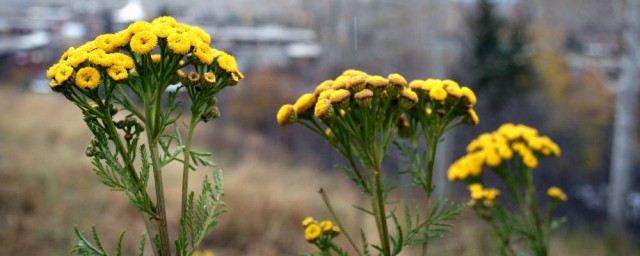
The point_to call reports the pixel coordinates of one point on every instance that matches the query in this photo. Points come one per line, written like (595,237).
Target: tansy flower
(452,88)
(530,161)
(53,70)
(286,116)
(340,82)
(162,30)
(350,72)
(120,59)
(77,58)
(227,62)
(432,83)
(326,225)
(376,82)
(204,53)
(63,73)
(325,85)
(469,95)
(340,96)
(67,53)
(178,44)
(164,20)
(473,116)
(437,94)
(408,98)
(557,193)
(155,58)
(138,27)
(476,191)
(88,78)
(209,78)
(323,109)
(312,232)
(356,82)
(106,42)
(204,37)
(121,38)
(326,93)
(396,83)
(117,73)
(87,47)
(490,193)
(416,85)
(363,98)
(100,57)
(307,221)
(304,103)
(143,42)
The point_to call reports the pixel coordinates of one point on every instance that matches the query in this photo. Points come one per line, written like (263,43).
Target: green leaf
(143,240)
(119,248)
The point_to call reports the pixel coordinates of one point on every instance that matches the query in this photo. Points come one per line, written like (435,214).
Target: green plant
(102,76)
(512,153)
(360,115)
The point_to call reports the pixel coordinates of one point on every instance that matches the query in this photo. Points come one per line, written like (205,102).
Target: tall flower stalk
(512,152)
(121,83)
(360,115)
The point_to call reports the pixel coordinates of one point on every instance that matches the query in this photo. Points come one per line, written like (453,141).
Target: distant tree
(499,67)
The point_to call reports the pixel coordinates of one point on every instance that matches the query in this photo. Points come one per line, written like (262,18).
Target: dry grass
(46,187)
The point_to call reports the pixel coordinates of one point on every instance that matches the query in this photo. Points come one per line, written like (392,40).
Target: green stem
(539,243)
(381,212)
(161,216)
(185,168)
(327,203)
(428,184)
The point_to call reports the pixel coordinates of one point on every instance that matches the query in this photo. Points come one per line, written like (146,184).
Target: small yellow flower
(53,70)
(557,193)
(397,81)
(452,88)
(493,159)
(178,44)
(326,94)
(340,82)
(162,30)
(363,98)
(530,161)
(476,191)
(312,232)
(323,109)
(336,229)
(469,95)
(138,27)
(490,193)
(87,47)
(204,37)
(431,83)
(304,103)
(376,82)
(356,82)
(227,62)
(143,42)
(204,53)
(340,96)
(438,94)
(164,20)
(285,116)
(121,38)
(155,58)
(117,73)
(77,58)
(350,72)
(63,73)
(307,221)
(209,78)
(120,59)
(473,116)
(326,225)
(107,42)
(408,98)
(325,85)
(88,78)
(417,85)
(100,57)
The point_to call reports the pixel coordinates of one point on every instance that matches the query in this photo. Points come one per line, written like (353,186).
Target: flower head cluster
(319,233)
(557,194)
(116,56)
(510,142)
(482,197)
(356,96)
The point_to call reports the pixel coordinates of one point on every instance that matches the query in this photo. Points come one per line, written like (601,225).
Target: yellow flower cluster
(203,253)
(106,56)
(481,194)
(356,89)
(557,194)
(508,142)
(315,230)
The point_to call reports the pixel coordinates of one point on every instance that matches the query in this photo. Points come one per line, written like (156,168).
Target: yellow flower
(336,229)
(162,30)
(164,20)
(53,70)
(155,58)
(312,232)
(77,58)
(63,73)
(209,78)
(304,103)
(356,82)
(493,159)
(285,116)
(350,72)
(178,44)
(417,85)
(325,85)
(101,58)
(473,116)
(88,78)
(307,221)
(428,112)
(437,94)
(67,53)
(452,88)
(376,82)
(138,27)
(470,96)
(326,94)
(557,193)
(408,98)
(204,53)
(530,161)
(143,42)
(107,42)
(476,191)
(340,96)
(194,39)
(396,84)
(340,82)
(323,109)
(326,225)
(204,37)
(431,83)
(121,38)
(227,62)
(117,73)
(363,98)
(120,59)
(87,47)
(490,193)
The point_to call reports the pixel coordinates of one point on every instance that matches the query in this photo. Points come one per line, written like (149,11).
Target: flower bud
(324,109)
(408,98)
(364,97)
(286,115)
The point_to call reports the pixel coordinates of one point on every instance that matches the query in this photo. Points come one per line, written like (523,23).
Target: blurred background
(566,67)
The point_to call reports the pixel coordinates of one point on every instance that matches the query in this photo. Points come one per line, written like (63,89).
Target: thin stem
(327,203)
(384,231)
(539,242)
(185,168)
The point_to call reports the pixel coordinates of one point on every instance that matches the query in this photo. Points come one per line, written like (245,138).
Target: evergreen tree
(499,68)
